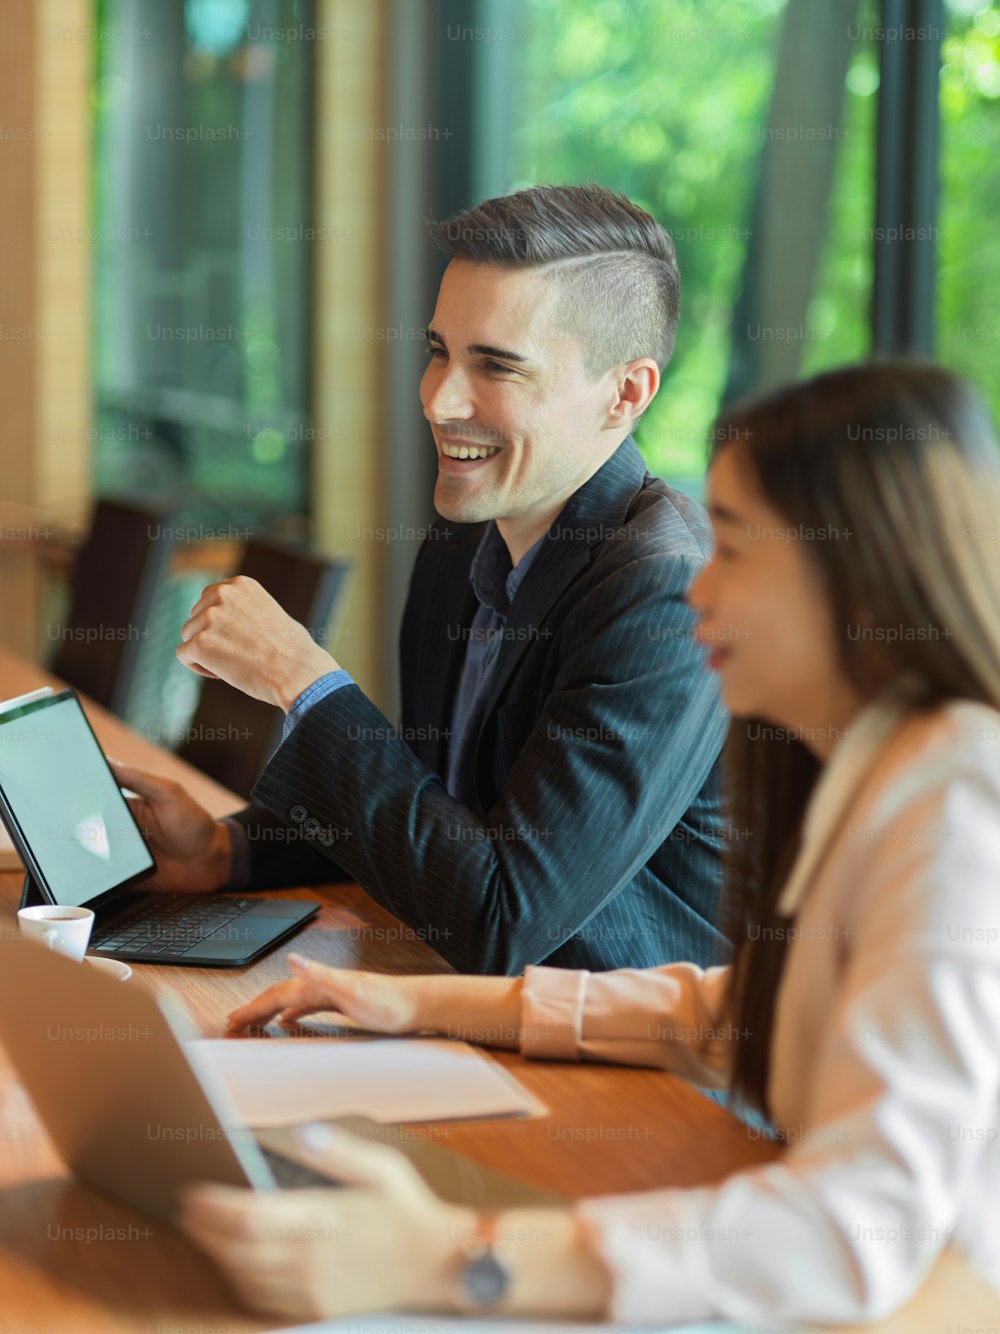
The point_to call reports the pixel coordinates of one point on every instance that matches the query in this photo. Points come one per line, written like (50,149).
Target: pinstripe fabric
(596,836)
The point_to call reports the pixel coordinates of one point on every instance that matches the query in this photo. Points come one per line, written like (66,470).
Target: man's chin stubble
(462,509)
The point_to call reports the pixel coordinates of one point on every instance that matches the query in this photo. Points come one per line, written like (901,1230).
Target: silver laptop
(112,1070)
(104,1064)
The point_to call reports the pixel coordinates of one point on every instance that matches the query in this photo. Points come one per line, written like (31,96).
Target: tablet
(63,809)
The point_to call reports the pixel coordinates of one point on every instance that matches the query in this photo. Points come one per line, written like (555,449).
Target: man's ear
(635,388)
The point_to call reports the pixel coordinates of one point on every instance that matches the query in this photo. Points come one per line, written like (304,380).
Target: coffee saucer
(111,967)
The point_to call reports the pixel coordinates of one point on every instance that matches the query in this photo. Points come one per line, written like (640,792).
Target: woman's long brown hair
(889,475)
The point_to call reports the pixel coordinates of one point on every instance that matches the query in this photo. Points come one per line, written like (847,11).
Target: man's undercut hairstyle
(615,265)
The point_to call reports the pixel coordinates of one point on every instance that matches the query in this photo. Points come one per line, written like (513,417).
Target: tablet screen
(69,810)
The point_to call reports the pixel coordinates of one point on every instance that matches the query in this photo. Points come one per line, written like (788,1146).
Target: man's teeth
(469,452)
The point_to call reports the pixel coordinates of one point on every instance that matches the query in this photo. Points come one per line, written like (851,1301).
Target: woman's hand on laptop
(383,1004)
(383,1241)
(193,852)
(486,1010)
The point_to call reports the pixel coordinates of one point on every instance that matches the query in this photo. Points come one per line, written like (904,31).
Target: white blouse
(885,1070)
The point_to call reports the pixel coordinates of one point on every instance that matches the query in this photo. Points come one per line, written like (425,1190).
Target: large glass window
(840,310)
(660,101)
(968,330)
(669,101)
(202,201)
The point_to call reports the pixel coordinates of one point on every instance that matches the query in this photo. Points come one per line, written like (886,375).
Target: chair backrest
(231,736)
(117,570)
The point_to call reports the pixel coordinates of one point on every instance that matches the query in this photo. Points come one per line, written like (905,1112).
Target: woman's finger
(282,996)
(355,1162)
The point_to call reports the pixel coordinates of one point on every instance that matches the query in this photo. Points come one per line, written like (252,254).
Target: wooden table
(610,1130)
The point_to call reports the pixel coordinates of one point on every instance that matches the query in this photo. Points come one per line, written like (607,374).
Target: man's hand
(383,1004)
(193,852)
(239,634)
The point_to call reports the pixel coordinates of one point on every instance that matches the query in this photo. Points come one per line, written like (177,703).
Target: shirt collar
(491,575)
(852,759)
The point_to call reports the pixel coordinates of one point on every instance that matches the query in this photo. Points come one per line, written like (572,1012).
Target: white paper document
(286,1081)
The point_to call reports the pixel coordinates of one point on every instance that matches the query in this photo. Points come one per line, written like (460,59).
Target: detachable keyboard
(164,927)
(197,930)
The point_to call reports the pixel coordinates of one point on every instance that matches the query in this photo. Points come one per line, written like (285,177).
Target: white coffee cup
(62,928)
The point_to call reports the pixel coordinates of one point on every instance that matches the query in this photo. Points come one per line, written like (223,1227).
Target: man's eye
(434,351)
(497,366)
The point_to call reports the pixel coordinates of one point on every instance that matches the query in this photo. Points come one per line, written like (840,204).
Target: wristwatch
(483,1280)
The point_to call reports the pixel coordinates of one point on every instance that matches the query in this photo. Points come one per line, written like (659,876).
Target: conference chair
(115,577)
(231,736)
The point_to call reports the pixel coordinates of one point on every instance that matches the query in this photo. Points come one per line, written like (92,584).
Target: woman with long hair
(852,610)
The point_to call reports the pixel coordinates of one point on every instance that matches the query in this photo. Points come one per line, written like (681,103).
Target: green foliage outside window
(666,101)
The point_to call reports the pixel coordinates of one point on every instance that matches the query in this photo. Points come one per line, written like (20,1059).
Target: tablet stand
(31,895)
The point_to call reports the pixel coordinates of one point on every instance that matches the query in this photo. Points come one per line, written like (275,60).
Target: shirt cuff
(326,685)
(653,1244)
(552,1013)
(239,866)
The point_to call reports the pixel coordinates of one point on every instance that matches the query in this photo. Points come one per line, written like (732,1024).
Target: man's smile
(460,449)
(458,454)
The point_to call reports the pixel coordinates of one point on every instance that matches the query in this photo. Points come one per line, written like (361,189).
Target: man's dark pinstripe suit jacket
(597,836)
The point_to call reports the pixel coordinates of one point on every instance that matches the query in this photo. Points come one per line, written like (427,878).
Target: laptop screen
(68,811)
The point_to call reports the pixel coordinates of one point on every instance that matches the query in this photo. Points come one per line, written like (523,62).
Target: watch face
(485,1280)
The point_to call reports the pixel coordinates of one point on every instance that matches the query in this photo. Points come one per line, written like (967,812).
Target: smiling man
(560,801)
